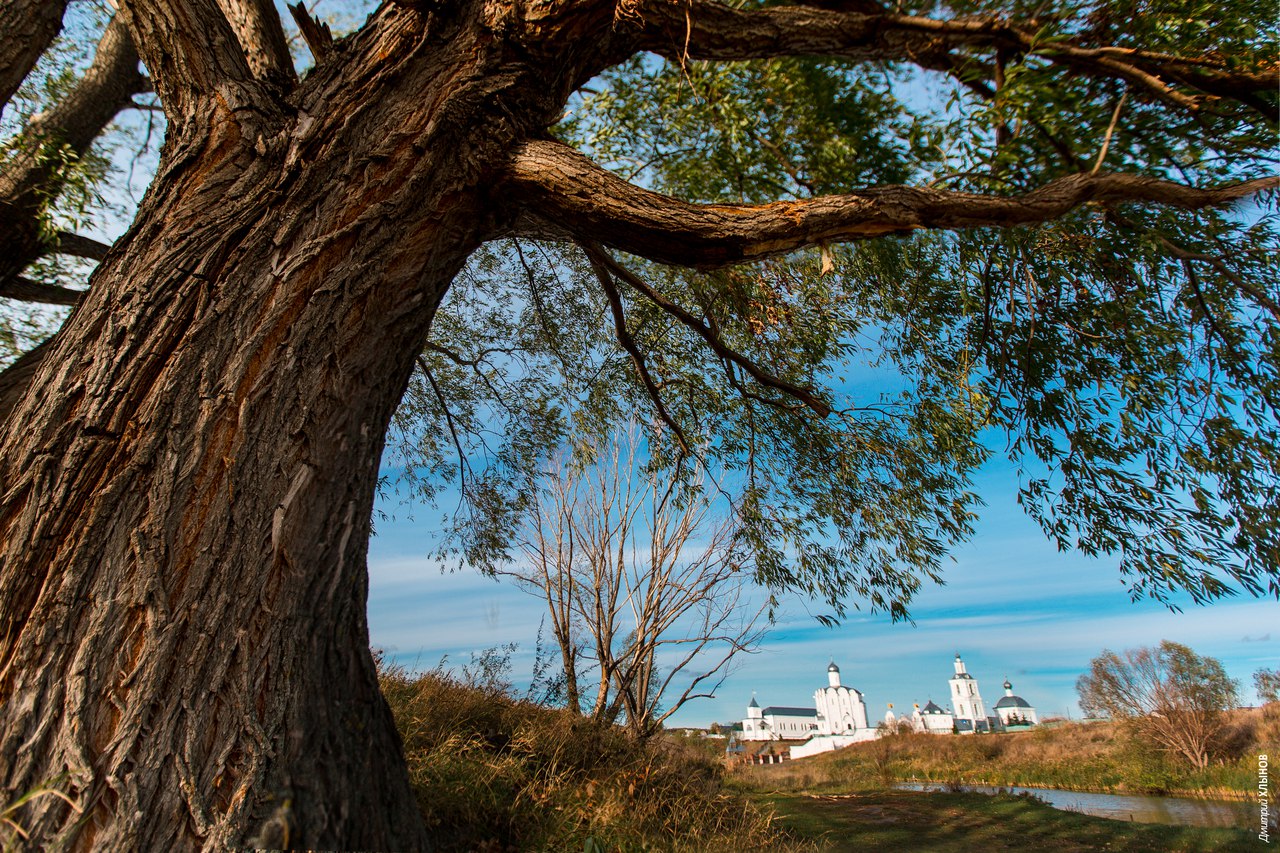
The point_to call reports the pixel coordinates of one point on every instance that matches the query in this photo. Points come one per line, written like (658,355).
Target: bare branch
(80,246)
(651,583)
(315,33)
(703,29)
(560,185)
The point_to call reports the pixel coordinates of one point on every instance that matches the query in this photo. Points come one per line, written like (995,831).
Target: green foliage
(1146,680)
(1123,358)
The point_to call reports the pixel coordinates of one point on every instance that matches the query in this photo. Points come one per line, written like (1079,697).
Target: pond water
(1173,810)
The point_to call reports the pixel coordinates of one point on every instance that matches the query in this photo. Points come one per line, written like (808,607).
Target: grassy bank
(905,821)
(1073,756)
(496,774)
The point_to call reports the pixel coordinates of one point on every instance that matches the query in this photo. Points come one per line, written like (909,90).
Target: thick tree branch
(107,87)
(702,29)
(26,290)
(34,171)
(257,25)
(191,52)
(561,186)
(80,246)
(27,28)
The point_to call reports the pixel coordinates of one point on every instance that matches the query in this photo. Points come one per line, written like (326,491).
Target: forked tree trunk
(187,484)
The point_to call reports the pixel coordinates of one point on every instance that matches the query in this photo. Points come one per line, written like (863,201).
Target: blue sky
(1013,606)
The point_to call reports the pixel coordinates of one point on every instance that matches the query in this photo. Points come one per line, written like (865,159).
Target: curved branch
(463,465)
(559,185)
(718,346)
(601,266)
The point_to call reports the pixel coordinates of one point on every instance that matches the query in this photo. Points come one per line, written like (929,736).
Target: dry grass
(495,774)
(1074,756)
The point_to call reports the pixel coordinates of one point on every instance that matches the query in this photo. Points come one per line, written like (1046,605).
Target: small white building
(1014,710)
(778,722)
(838,719)
(932,720)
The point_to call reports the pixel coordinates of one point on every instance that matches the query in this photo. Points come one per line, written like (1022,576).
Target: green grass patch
(958,823)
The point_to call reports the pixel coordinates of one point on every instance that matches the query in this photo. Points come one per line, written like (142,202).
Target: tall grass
(493,773)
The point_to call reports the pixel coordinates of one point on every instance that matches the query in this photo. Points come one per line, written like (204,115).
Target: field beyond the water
(1096,756)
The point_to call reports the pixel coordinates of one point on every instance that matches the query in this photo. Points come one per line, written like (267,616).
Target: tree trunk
(188,480)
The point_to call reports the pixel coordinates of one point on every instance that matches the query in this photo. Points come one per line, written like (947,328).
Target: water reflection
(1172,810)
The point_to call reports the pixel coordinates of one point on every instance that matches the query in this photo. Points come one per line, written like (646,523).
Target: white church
(839,716)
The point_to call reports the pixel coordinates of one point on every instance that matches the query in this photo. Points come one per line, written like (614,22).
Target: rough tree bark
(188,470)
(188,479)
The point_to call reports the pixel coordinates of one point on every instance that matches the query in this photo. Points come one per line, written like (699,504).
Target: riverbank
(906,821)
(1091,757)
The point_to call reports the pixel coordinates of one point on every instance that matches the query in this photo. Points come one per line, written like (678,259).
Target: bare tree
(646,586)
(1172,697)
